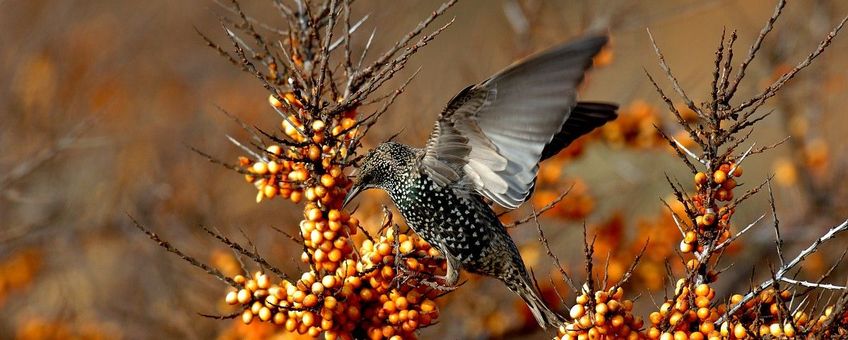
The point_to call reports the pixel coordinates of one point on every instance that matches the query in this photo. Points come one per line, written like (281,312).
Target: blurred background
(102,99)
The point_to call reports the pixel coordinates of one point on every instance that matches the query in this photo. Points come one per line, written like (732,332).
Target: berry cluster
(712,215)
(393,308)
(602,314)
(307,168)
(690,315)
(359,296)
(763,316)
(326,237)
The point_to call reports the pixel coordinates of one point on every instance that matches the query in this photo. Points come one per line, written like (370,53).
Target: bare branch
(670,75)
(754,48)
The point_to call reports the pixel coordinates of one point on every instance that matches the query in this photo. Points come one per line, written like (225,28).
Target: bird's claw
(422,279)
(434,284)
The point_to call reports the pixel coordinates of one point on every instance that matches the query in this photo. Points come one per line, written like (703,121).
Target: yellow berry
(243,296)
(577,311)
(231,298)
(260,168)
(247,316)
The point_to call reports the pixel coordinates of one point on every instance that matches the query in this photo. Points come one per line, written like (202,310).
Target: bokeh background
(100,101)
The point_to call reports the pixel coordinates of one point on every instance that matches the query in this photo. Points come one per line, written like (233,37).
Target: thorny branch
(782,271)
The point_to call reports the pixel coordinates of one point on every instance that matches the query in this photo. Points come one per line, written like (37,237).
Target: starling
(485,148)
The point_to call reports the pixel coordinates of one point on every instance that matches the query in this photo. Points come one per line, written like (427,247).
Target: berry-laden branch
(370,289)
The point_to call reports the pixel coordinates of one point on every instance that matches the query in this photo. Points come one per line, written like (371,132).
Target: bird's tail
(543,314)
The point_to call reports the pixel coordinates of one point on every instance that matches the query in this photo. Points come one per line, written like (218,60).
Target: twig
(670,75)
(755,47)
(551,254)
(167,246)
(777,240)
(536,214)
(237,247)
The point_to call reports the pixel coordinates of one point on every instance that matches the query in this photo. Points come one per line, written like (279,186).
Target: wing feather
(493,134)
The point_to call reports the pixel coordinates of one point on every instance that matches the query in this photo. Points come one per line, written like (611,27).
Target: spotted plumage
(486,147)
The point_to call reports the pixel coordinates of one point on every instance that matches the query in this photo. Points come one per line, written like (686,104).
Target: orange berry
(788,330)
(308,319)
(389,306)
(685,247)
(274,101)
(314,215)
(296,196)
(702,289)
(314,153)
(737,172)
(247,316)
(719,176)
(707,327)
(577,311)
(776,329)
(231,298)
(279,318)
(269,191)
(709,219)
(428,306)
(675,318)
(739,331)
(334,215)
(320,191)
(700,178)
(690,237)
(264,314)
(401,303)
(735,298)
(260,168)
(617,321)
(703,313)
(702,301)
(384,249)
(729,184)
(243,296)
(329,281)
(310,194)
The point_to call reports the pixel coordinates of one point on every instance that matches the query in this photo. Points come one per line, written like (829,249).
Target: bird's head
(382,168)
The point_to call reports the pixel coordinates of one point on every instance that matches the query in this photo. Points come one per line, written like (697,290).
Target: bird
(485,149)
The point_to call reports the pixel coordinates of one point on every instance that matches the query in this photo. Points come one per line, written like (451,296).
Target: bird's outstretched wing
(493,134)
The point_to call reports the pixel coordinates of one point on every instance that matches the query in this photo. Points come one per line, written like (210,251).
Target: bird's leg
(451,276)
(452,272)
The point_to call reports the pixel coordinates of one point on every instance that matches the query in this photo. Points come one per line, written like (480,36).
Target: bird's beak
(351,194)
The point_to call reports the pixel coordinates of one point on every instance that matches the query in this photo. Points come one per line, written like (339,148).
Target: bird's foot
(412,277)
(434,283)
